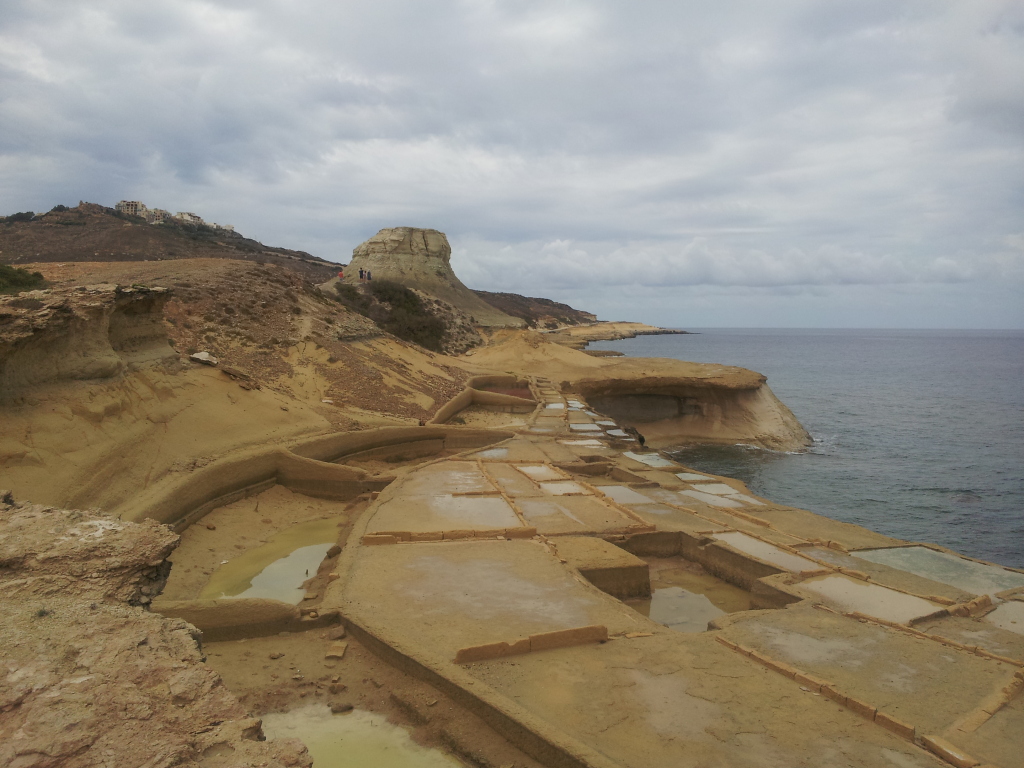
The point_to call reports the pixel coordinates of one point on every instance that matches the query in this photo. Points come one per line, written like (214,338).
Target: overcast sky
(821,163)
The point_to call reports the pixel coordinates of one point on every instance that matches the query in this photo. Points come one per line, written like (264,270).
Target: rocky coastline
(486,520)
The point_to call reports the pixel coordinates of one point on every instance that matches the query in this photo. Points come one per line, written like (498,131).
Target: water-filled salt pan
(1009,615)
(565,488)
(587,443)
(711,499)
(536,510)
(492,453)
(624,495)
(682,610)
(849,595)
(585,427)
(650,459)
(746,499)
(606,423)
(691,476)
(443,512)
(617,433)
(450,477)
(762,550)
(555,406)
(276,569)
(719,489)
(976,578)
(540,472)
(353,740)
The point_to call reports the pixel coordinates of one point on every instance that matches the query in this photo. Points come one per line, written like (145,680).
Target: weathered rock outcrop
(91,680)
(420,259)
(94,332)
(671,402)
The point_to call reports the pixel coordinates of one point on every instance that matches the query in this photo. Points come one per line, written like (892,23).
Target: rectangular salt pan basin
(746,499)
(586,443)
(617,433)
(976,578)
(719,489)
(451,477)
(606,423)
(585,427)
(1009,615)
(712,500)
(492,453)
(555,406)
(624,495)
(762,550)
(565,488)
(691,476)
(540,472)
(650,459)
(443,513)
(852,595)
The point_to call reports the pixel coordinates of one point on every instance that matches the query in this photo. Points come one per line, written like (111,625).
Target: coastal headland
(232,493)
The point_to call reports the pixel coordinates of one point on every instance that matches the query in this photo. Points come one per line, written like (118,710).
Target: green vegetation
(22,216)
(397,310)
(350,296)
(16,279)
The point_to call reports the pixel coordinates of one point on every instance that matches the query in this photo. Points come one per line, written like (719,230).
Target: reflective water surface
(277,569)
(358,739)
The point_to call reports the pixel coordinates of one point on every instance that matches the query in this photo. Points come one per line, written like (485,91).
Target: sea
(918,434)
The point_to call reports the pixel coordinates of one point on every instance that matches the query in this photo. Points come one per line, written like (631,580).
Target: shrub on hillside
(349,296)
(422,328)
(397,295)
(22,216)
(397,310)
(16,279)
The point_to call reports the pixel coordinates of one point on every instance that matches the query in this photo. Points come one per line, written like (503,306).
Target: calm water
(918,434)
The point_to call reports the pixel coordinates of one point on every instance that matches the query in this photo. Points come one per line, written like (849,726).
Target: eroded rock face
(420,259)
(89,679)
(91,332)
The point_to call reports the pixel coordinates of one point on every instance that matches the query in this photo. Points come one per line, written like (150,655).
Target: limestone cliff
(420,259)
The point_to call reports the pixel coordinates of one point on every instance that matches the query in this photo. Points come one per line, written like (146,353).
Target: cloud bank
(858,159)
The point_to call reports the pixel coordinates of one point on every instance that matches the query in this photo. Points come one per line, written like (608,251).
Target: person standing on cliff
(361,273)
(369,276)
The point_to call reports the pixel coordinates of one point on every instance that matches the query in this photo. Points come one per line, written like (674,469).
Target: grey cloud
(736,144)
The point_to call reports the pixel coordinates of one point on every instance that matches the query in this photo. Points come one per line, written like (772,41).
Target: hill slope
(94,233)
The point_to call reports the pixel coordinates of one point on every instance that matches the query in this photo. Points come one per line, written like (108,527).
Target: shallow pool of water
(358,739)
(977,578)
(679,609)
(685,599)
(277,569)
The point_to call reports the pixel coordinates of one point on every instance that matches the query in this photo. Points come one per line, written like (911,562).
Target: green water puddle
(358,739)
(277,569)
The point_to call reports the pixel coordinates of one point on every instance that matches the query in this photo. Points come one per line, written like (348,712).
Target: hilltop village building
(158,215)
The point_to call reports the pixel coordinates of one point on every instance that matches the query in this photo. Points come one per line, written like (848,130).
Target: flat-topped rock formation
(670,401)
(420,258)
